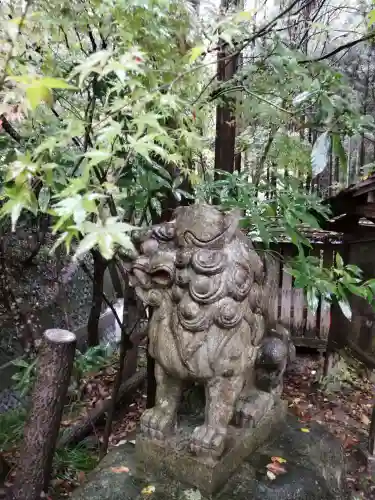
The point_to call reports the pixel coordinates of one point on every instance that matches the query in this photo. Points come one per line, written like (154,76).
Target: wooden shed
(353,211)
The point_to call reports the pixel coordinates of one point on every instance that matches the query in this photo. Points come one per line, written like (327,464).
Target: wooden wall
(359,333)
(307,329)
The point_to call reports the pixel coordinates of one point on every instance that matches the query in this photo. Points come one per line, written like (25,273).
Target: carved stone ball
(274,352)
(242,281)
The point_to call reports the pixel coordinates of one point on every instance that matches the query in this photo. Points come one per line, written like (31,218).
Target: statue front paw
(208,441)
(251,409)
(157,423)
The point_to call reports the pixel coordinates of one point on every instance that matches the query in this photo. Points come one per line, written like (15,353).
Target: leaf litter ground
(344,407)
(346,412)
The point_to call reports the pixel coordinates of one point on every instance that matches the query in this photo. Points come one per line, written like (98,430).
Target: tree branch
(8,128)
(13,41)
(270,25)
(92,39)
(106,300)
(338,49)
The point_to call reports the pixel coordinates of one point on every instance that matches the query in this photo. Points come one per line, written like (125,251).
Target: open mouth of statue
(161,274)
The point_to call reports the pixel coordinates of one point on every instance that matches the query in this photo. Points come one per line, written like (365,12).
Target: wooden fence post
(54,369)
(371,437)
(369,452)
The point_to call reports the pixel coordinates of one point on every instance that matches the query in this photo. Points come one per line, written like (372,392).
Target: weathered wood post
(371,436)
(54,369)
(369,453)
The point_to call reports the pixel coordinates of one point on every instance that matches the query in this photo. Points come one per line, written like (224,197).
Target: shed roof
(314,235)
(354,190)
(353,204)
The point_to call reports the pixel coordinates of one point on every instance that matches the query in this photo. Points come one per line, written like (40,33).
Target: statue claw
(157,423)
(208,441)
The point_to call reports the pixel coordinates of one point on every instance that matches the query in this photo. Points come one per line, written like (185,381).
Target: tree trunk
(362,150)
(134,314)
(138,331)
(100,266)
(4,469)
(151,381)
(116,281)
(125,346)
(44,222)
(225,112)
(53,375)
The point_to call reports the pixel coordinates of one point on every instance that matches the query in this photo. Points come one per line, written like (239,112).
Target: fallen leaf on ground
(365,420)
(148,490)
(271,475)
(123,441)
(304,429)
(81,476)
(281,460)
(276,468)
(349,442)
(192,495)
(120,469)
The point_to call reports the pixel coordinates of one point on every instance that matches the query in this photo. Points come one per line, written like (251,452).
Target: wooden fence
(307,328)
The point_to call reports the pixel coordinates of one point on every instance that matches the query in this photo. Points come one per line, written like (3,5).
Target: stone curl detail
(240,282)
(229,313)
(191,316)
(207,290)
(208,262)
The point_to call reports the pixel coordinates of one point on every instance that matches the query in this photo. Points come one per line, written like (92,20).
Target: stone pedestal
(314,470)
(172,458)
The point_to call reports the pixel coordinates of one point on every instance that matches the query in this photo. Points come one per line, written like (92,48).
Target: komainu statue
(212,322)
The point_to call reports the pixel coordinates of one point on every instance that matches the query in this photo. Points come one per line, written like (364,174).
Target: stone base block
(314,465)
(172,458)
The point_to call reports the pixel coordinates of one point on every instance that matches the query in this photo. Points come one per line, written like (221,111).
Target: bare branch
(337,50)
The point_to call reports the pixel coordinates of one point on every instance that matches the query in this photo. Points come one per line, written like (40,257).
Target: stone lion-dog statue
(211,296)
